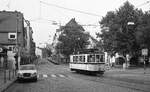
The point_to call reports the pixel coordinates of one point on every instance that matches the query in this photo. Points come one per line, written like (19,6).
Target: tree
(72,38)
(48,51)
(143,33)
(116,35)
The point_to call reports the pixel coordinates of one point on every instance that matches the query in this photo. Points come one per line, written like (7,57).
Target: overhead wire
(143,4)
(53,21)
(49,4)
(8,4)
(69,9)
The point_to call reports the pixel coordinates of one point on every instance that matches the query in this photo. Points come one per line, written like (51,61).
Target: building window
(12,36)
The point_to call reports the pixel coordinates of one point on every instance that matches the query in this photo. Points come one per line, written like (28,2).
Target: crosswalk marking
(52,75)
(45,76)
(61,75)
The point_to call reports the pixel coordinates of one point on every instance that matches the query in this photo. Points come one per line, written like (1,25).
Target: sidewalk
(9,79)
(135,75)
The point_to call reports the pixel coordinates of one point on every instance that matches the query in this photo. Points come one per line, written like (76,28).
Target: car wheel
(19,80)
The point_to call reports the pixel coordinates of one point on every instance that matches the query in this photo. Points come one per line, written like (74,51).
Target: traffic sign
(145,52)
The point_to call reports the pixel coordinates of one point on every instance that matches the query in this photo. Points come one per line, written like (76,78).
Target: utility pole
(144,53)
(58,30)
(17,45)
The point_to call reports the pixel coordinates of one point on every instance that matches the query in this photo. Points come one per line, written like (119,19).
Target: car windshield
(27,67)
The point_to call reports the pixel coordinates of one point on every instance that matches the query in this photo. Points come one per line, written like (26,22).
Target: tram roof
(89,51)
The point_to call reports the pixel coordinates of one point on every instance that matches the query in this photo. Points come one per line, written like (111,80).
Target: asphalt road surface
(58,78)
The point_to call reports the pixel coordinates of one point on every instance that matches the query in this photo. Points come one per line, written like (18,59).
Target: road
(58,78)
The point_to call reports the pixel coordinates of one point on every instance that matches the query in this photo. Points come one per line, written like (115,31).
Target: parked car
(26,72)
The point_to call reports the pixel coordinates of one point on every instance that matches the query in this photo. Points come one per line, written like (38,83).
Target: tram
(88,61)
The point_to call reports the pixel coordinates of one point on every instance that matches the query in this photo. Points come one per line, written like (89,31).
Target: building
(30,44)
(12,32)
(38,52)
(14,36)
(12,29)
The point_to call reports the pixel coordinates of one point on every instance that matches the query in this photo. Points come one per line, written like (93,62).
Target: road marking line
(53,75)
(61,75)
(38,76)
(45,76)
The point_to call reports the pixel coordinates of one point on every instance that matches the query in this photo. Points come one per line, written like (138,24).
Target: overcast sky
(50,10)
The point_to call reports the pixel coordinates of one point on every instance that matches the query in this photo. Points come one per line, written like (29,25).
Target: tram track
(137,86)
(124,84)
(103,79)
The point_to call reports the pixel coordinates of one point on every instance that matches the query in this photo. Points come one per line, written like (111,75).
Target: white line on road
(53,75)
(61,75)
(45,76)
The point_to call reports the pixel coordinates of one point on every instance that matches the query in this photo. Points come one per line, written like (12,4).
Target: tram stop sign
(145,52)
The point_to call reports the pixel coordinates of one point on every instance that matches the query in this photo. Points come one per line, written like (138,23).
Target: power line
(38,19)
(143,4)
(88,13)
(53,22)
(8,4)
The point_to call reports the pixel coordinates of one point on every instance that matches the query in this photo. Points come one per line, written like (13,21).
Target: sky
(42,14)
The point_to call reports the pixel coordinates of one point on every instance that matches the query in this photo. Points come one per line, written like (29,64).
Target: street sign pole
(144,64)
(144,53)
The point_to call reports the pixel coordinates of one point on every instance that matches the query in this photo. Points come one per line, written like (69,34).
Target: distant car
(27,72)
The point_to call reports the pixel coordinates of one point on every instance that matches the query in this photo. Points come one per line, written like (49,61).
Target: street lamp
(56,23)
(59,48)
(130,23)
(17,44)
(127,55)
(43,44)
(79,43)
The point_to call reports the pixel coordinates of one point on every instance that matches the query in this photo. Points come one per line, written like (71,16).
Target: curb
(56,63)
(7,85)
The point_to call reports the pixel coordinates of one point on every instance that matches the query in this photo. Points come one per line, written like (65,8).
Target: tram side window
(101,58)
(80,58)
(91,58)
(83,58)
(75,59)
(97,58)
